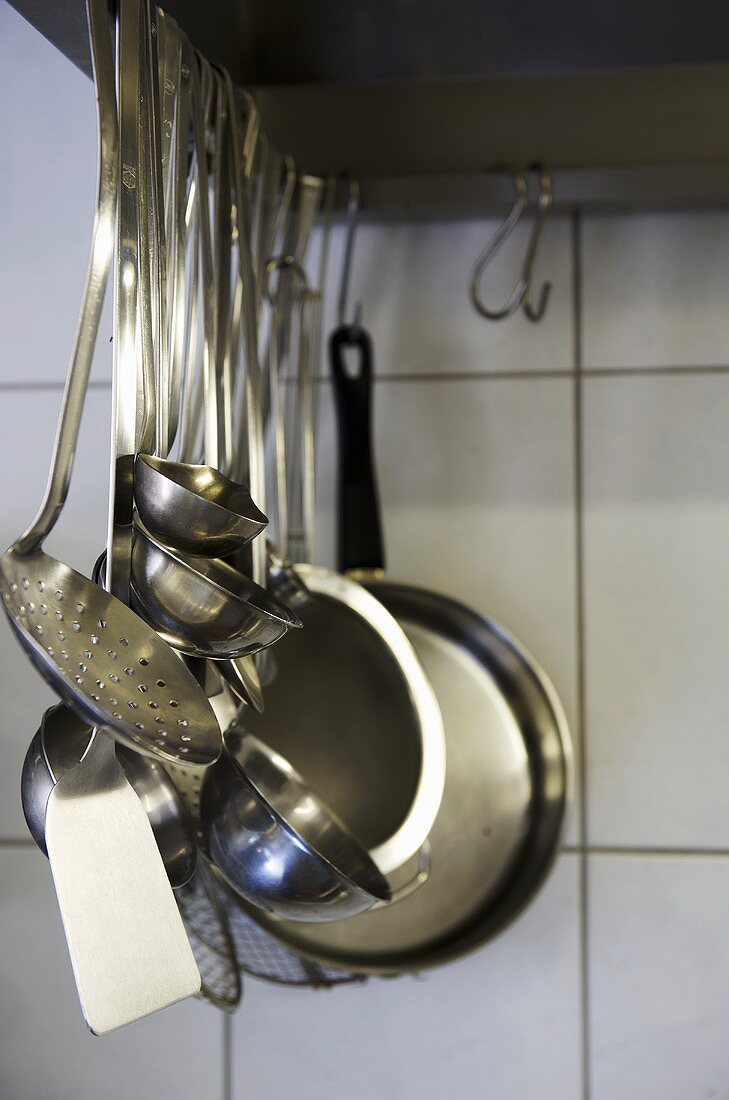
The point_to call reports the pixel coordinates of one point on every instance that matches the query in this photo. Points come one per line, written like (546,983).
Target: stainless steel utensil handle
(212,422)
(274,362)
(309,307)
(222,252)
(154,300)
(256,473)
(178,234)
(150,249)
(126,408)
(97,272)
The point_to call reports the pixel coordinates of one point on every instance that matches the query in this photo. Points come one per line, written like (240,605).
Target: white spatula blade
(127,942)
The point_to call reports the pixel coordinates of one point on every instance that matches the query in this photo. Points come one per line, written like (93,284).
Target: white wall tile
(45,1049)
(477,487)
(47,194)
(656,571)
(502,1023)
(27,427)
(655,290)
(659,977)
(413,278)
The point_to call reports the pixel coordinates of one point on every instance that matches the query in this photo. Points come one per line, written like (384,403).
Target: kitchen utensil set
(212,768)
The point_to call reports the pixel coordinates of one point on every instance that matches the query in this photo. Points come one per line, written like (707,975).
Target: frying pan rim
(450,946)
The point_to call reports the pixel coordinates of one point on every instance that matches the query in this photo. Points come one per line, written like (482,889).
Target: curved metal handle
(277,264)
(492,247)
(535,313)
(102,242)
(419,879)
(256,472)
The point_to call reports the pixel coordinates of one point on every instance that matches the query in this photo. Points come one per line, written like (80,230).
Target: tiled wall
(570,478)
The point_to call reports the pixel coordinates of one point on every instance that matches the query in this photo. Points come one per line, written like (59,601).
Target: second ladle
(201,606)
(193,507)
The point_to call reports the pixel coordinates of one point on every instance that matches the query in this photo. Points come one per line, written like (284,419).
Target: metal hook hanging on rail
(521,294)
(353,208)
(521,197)
(544,201)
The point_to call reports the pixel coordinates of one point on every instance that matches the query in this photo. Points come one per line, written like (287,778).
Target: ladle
(278,845)
(202,606)
(61,743)
(195,508)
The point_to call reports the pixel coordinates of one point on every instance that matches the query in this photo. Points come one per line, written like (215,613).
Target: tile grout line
(637,850)
(580,656)
(643,851)
(227,1057)
(549,375)
(676,371)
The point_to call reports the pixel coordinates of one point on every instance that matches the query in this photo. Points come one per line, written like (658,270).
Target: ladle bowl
(203,606)
(277,844)
(194,508)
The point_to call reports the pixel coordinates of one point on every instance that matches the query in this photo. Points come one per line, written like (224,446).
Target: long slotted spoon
(127,943)
(104,661)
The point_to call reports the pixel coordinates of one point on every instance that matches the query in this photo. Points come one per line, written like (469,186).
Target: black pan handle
(358,509)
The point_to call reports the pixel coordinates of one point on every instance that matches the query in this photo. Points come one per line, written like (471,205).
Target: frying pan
(351,707)
(509,762)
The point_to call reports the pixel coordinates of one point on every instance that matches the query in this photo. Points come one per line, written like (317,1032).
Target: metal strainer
(206,922)
(101,658)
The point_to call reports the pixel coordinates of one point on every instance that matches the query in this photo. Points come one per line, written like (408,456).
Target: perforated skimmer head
(105,662)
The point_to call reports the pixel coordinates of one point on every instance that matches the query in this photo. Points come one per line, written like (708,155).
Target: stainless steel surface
(125,938)
(171,823)
(350,706)
(277,844)
(491,248)
(353,711)
(508,784)
(242,677)
(61,743)
(521,295)
(100,658)
(195,508)
(204,606)
(508,750)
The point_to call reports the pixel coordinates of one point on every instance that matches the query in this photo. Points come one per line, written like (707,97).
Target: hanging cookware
(195,507)
(350,706)
(508,779)
(61,743)
(201,606)
(278,845)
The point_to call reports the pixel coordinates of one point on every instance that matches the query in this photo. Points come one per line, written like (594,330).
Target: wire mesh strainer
(206,922)
(261,956)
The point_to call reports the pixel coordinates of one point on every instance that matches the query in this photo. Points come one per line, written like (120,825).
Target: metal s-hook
(353,208)
(544,201)
(521,295)
(487,254)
